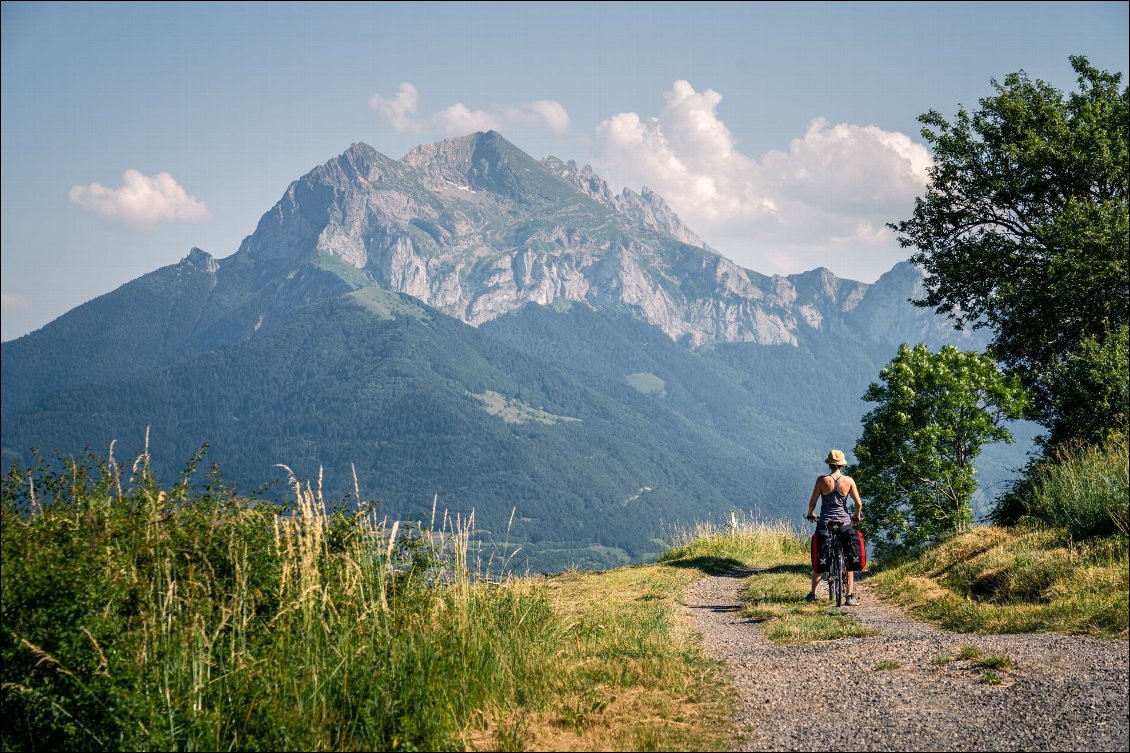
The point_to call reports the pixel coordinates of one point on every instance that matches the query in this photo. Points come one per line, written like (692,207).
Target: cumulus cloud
(850,169)
(824,202)
(141,199)
(458,120)
(12,301)
(542,113)
(400,112)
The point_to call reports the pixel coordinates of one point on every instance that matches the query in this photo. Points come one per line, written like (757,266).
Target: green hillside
(377,381)
(548,423)
(579,429)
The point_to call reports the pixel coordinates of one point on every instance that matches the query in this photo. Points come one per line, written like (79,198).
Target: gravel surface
(1061,693)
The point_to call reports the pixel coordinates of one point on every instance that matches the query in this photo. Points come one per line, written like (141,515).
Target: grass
(743,544)
(995,662)
(774,592)
(135,617)
(514,411)
(978,661)
(631,674)
(138,618)
(1015,579)
(1082,490)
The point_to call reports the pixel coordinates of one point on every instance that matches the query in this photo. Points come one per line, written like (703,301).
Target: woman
(833,491)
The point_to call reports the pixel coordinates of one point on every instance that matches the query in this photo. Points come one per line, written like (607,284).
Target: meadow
(136,617)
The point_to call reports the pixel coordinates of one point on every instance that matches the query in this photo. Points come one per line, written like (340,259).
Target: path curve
(1063,693)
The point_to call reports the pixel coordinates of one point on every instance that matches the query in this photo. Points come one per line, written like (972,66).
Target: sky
(784,134)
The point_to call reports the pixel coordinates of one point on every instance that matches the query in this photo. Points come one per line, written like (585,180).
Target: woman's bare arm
(812,500)
(854,492)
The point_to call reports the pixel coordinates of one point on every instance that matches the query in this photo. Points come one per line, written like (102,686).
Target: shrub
(1082,491)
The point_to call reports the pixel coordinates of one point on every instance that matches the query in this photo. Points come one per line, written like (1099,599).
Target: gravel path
(1062,692)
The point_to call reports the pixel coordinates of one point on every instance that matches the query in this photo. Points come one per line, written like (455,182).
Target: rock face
(477,228)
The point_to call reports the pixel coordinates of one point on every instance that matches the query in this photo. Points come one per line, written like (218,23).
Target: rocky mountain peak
(646,208)
(483,161)
(583,178)
(477,228)
(200,260)
(450,159)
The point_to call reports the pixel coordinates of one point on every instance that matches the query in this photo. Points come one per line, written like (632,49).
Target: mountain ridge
(438,225)
(472,323)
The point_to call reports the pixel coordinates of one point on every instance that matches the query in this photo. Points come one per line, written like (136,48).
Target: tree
(915,458)
(1023,227)
(1091,390)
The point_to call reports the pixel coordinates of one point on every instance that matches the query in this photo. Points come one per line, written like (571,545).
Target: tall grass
(631,674)
(1083,491)
(1015,579)
(135,617)
(773,594)
(743,541)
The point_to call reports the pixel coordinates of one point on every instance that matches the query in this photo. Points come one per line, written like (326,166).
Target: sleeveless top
(833,505)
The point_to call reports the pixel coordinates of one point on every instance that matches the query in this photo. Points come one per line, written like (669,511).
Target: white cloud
(543,113)
(824,202)
(850,169)
(459,120)
(12,301)
(399,112)
(141,199)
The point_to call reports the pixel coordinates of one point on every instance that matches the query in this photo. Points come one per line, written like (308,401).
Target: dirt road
(894,692)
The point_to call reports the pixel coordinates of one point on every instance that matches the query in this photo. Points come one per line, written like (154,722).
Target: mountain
(472,323)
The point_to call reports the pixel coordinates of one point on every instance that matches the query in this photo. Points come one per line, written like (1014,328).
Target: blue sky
(784,134)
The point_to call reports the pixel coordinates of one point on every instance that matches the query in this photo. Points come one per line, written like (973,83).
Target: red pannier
(855,552)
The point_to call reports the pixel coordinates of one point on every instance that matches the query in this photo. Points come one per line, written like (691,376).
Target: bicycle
(837,568)
(832,552)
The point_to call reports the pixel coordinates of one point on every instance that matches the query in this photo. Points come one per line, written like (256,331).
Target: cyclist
(833,491)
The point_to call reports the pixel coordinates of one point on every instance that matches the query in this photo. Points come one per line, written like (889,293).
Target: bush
(1083,491)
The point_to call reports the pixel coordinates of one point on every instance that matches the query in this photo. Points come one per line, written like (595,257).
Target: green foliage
(135,618)
(1090,391)
(969,653)
(917,452)
(1024,229)
(996,661)
(343,385)
(1081,491)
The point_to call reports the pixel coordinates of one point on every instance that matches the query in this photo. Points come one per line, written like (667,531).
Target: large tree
(916,456)
(1023,228)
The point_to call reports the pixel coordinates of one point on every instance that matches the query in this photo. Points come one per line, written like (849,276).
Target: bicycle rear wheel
(841,577)
(835,572)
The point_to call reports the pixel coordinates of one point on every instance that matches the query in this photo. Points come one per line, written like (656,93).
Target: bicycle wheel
(835,572)
(841,577)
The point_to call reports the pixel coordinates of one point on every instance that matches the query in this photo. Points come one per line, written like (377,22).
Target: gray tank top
(833,505)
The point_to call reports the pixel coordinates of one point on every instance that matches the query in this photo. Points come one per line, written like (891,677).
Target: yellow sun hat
(836,457)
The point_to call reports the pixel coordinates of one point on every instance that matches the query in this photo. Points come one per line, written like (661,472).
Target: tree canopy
(915,459)
(1023,229)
